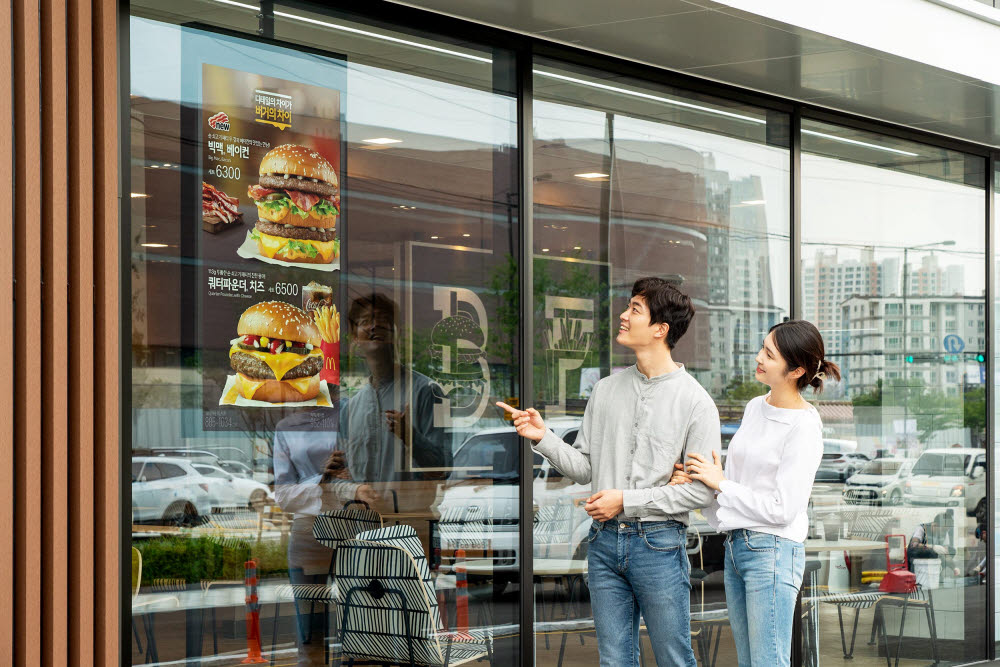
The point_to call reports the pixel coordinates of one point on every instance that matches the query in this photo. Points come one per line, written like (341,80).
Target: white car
(168,490)
(880,482)
(480,505)
(949,477)
(229,490)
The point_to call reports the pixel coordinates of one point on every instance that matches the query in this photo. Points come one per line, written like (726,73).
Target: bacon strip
(259,191)
(214,201)
(304,200)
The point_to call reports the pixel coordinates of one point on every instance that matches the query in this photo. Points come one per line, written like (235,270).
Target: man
(637,425)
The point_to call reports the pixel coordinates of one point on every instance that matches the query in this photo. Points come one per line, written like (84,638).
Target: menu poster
(270,163)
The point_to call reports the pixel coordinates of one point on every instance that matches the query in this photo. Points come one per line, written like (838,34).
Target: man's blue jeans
(641,567)
(763,576)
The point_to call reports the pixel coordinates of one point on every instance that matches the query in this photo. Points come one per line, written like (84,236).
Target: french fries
(328,320)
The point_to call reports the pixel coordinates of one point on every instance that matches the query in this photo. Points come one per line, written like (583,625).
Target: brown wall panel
(61,570)
(107,327)
(7,324)
(27,323)
(81,343)
(54,247)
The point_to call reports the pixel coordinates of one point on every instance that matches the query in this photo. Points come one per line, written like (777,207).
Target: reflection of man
(385,431)
(309,477)
(934,540)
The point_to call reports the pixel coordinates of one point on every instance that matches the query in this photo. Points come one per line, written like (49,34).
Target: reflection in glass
(629,181)
(893,274)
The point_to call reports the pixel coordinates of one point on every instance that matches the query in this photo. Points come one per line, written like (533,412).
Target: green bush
(194,559)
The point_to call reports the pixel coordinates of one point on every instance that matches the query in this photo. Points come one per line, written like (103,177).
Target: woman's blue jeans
(763,576)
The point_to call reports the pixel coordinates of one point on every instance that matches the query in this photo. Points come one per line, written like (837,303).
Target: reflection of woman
(308,471)
(762,495)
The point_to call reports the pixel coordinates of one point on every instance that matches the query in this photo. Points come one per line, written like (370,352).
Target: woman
(762,495)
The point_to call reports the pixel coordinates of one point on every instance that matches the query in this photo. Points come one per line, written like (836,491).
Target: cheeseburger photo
(277,356)
(298,202)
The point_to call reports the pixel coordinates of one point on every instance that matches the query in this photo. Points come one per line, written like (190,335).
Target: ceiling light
(387,38)
(139,195)
(751,202)
(466,235)
(434,238)
(647,96)
(592,175)
(166,164)
(381,141)
(154,245)
(855,142)
(545,249)
(576,247)
(255,8)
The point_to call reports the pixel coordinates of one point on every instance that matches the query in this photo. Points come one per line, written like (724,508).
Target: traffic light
(980,358)
(909,358)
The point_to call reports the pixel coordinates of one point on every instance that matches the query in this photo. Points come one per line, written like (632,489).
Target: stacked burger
(298,203)
(277,355)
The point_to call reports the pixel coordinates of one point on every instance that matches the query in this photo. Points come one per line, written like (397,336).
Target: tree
(741,391)
(872,398)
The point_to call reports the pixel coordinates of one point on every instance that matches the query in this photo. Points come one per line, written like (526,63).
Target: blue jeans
(641,567)
(763,576)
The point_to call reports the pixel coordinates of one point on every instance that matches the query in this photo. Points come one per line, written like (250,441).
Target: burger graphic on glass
(298,202)
(461,375)
(277,355)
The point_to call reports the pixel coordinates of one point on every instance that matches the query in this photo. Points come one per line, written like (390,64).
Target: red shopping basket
(897,578)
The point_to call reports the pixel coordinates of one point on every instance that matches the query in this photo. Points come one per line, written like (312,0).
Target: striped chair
(390,612)
(331,529)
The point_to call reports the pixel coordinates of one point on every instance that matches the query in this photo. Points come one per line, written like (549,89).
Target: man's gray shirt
(634,430)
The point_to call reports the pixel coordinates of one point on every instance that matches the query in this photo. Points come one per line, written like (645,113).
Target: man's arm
(431,446)
(703,437)
(572,461)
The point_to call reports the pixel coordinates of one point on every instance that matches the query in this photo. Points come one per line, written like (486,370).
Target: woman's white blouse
(770,468)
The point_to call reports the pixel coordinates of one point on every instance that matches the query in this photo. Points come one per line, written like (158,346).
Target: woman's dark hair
(667,305)
(801,346)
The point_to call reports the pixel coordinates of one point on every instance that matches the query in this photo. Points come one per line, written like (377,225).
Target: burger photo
(277,355)
(298,203)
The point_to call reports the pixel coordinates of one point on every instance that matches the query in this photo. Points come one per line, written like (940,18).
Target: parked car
(954,477)
(168,490)
(840,460)
(236,468)
(227,489)
(880,482)
(480,505)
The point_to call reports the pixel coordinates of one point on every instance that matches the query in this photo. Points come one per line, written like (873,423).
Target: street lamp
(906,315)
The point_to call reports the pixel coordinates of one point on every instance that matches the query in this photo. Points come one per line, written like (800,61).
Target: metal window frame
(420,22)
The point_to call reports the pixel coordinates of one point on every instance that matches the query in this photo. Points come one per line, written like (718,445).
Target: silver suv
(168,490)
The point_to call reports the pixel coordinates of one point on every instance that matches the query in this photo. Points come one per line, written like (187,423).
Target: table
(820,546)
(816,546)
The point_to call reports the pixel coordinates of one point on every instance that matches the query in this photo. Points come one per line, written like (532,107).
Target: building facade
(411,211)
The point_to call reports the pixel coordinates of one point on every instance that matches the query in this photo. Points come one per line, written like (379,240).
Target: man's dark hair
(377,303)
(667,305)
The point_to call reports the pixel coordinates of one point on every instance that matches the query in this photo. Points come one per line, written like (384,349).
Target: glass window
(634,180)
(339,315)
(858,189)
(169,470)
(209,471)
